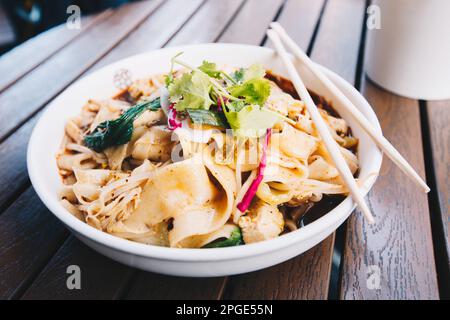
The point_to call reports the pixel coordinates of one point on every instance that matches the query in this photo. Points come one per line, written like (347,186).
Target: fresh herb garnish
(235,239)
(191,90)
(255,71)
(208,117)
(117,132)
(168,79)
(180,87)
(253,91)
(210,69)
(240,97)
(238,75)
(252,120)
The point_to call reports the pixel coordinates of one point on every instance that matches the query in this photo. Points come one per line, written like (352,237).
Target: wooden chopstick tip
(274,37)
(270,33)
(276,26)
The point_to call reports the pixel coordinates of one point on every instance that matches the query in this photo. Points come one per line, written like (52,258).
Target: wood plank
(303,277)
(398,247)
(32,92)
(439,134)
(208,23)
(29,236)
(13,168)
(101,278)
(300,18)
(7,34)
(338,39)
(20,60)
(150,35)
(257,15)
(308,275)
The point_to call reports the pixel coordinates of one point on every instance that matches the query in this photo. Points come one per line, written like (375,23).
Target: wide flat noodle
(184,191)
(155,144)
(320,169)
(199,241)
(296,143)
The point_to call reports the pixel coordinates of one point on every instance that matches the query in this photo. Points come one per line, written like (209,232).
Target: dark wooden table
(408,248)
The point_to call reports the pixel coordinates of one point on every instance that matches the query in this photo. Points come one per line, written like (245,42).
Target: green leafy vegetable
(235,239)
(209,117)
(236,105)
(254,91)
(255,71)
(210,69)
(117,132)
(243,93)
(168,79)
(252,120)
(191,91)
(238,75)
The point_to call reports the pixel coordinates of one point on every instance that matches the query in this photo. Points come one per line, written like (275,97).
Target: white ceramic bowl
(47,135)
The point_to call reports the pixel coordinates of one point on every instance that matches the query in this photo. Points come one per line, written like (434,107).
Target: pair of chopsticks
(277,34)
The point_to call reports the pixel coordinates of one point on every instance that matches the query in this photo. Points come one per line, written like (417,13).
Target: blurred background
(23,19)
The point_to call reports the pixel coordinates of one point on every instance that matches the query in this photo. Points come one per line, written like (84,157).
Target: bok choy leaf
(117,132)
(208,117)
(235,239)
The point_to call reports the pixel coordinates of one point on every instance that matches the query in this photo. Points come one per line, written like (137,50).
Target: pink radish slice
(172,122)
(250,194)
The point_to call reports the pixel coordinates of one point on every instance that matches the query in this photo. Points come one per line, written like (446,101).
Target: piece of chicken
(263,222)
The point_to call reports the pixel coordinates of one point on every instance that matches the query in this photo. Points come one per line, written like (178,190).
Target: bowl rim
(339,213)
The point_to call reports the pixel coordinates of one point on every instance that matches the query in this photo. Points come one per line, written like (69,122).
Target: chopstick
(378,138)
(330,143)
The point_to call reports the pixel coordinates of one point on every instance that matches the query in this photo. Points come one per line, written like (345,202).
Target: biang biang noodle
(201,157)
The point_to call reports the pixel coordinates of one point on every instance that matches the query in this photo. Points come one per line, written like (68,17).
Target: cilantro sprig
(254,91)
(242,96)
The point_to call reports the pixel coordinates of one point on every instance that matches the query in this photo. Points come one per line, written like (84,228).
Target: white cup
(410,52)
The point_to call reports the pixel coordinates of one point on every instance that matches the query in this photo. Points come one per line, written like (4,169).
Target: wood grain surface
(252,21)
(22,59)
(101,278)
(29,236)
(208,22)
(301,17)
(438,116)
